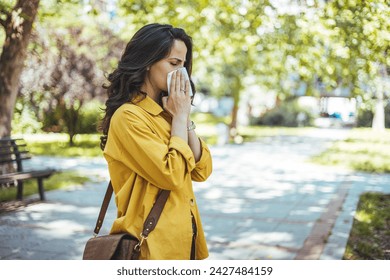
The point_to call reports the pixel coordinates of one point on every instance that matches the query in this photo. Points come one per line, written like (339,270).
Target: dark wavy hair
(149,44)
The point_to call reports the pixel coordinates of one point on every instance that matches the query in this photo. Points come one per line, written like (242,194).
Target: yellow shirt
(142,159)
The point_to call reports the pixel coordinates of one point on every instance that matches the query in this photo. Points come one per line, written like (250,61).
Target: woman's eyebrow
(178,59)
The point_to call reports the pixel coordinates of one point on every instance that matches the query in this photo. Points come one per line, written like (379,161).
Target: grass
(56,144)
(367,151)
(56,181)
(370,235)
(364,150)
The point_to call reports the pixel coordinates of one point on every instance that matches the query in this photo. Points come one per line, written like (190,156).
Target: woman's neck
(153,94)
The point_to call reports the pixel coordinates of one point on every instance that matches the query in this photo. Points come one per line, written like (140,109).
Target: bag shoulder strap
(151,220)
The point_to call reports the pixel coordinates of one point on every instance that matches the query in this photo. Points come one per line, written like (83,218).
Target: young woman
(152,145)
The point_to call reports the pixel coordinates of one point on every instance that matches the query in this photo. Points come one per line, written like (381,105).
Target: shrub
(285,114)
(25,121)
(366,115)
(90,116)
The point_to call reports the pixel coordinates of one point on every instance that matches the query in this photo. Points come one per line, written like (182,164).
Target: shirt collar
(150,106)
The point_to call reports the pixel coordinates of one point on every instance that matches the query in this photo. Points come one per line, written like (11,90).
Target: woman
(152,144)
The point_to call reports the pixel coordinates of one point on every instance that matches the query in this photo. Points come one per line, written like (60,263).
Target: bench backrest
(12,151)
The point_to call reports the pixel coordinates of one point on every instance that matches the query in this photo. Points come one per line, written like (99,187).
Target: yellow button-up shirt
(144,158)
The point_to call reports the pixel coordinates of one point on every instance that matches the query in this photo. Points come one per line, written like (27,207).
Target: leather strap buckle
(138,246)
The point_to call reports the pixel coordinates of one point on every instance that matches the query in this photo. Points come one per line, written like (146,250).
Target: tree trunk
(236,88)
(17,25)
(378,123)
(71,117)
(233,123)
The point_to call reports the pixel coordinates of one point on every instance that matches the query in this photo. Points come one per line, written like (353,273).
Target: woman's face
(159,71)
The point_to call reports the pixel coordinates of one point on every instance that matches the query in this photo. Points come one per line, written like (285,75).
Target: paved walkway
(264,200)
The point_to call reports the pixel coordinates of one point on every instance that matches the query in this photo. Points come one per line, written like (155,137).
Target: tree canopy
(285,47)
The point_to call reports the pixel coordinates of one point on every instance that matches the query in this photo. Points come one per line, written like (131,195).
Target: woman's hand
(178,103)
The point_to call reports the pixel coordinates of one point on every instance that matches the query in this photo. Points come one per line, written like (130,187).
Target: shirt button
(192,202)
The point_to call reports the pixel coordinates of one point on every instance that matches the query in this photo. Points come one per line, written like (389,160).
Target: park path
(264,200)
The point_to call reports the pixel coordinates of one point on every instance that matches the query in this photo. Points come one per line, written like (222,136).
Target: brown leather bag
(121,246)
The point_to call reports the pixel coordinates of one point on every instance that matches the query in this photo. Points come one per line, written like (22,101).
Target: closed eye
(176,61)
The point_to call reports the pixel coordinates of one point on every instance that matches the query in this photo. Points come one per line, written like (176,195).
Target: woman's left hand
(178,103)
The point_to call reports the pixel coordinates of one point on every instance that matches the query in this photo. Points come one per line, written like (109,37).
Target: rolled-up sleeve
(165,165)
(181,146)
(204,166)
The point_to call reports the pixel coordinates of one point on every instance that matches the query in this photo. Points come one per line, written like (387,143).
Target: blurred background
(261,68)
(256,63)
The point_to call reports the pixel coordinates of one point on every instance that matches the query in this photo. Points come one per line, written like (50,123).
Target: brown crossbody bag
(121,246)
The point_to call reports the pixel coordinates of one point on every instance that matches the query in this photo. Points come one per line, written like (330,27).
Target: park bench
(12,153)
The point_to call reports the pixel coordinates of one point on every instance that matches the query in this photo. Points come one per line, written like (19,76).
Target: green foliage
(287,114)
(366,116)
(315,46)
(310,47)
(364,150)
(56,181)
(90,117)
(224,35)
(71,47)
(25,121)
(368,238)
(362,30)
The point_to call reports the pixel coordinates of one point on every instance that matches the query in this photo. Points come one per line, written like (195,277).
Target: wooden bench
(12,153)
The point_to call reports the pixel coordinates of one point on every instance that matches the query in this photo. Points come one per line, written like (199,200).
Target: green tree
(17,22)
(63,72)
(363,27)
(297,47)
(233,28)
(60,80)
(224,34)
(318,47)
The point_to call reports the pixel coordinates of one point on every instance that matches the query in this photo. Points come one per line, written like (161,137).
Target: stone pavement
(264,200)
